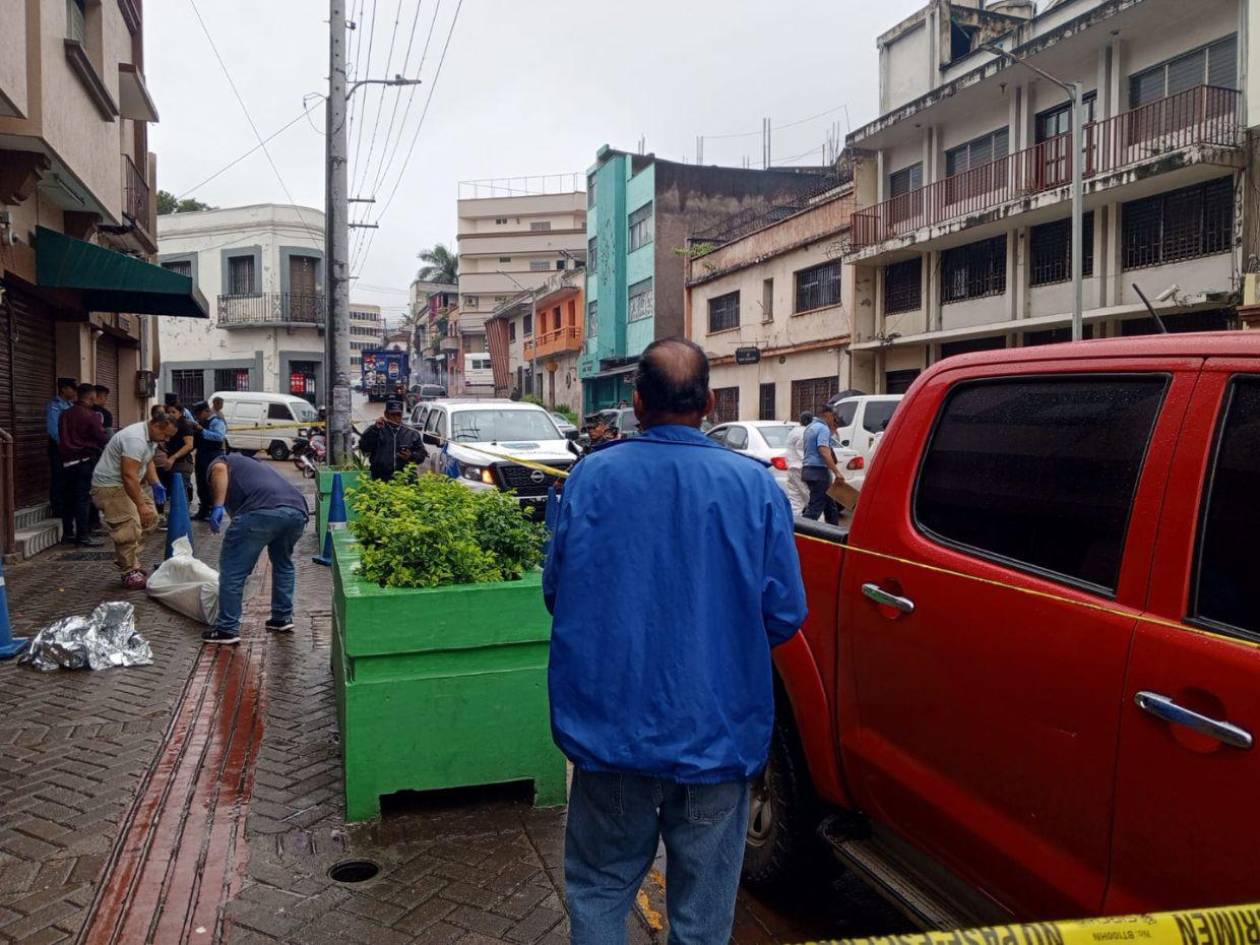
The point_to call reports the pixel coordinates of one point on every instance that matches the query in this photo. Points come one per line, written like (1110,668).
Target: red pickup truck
(1030,676)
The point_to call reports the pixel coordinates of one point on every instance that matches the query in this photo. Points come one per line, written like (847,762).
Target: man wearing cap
(818,465)
(389,446)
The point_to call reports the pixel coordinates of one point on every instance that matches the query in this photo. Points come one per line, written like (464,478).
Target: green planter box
(349,479)
(440,687)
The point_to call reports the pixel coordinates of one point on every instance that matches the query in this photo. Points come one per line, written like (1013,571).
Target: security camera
(1168,293)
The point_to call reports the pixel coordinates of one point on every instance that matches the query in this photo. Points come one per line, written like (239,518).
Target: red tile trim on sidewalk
(181,853)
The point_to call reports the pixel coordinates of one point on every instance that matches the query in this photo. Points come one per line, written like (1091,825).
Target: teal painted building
(640,213)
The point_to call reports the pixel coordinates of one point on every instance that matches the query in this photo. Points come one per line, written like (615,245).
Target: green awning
(109,281)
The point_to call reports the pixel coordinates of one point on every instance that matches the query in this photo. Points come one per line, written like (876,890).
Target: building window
(641,227)
(973,154)
(725,405)
(642,300)
(724,312)
(505,259)
(765,406)
(1040,473)
(541,226)
(511,331)
(231,378)
(241,275)
(905,180)
(767,300)
(974,271)
(818,287)
(903,286)
(559,263)
(527,324)
(472,301)
(590,192)
(1226,595)
(1058,120)
(1050,250)
(189,385)
(812,393)
(181,266)
(592,255)
(592,319)
(1215,64)
(905,194)
(1181,224)
(500,221)
(539,265)
(898,382)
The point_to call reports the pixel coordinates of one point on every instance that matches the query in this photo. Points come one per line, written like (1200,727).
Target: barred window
(818,286)
(724,312)
(181,266)
(725,405)
(241,275)
(1050,250)
(641,227)
(1181,224)
(974,271)
(592,255)
(231,378)
(641,300)
(812,393)
(765,410)
(903,286)
(527,324)
(190,385)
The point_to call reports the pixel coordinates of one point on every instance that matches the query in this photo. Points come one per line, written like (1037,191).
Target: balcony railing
(136,194)
(1204,115)
(272,308)
(556,341)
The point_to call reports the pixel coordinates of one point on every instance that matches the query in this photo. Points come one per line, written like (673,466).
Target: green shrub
(430,531)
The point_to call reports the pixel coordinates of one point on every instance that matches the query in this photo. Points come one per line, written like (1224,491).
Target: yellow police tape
(1233,925)
(258,428)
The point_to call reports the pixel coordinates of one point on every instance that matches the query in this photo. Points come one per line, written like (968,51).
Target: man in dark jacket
(81,437)
(389,446)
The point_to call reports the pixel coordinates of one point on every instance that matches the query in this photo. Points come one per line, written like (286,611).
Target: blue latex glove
(216,519)
(159,494)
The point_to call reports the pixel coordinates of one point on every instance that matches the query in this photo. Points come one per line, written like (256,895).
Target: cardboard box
(844,494)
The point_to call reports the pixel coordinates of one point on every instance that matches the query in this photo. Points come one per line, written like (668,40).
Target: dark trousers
(201,472)
(76,500)
(55,487)
(818,480)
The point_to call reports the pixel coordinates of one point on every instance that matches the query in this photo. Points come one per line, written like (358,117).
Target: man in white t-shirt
(127,509)
(797,491)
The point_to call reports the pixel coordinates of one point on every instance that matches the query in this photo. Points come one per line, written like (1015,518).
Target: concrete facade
(366,331)
(265,329)
(1164,81)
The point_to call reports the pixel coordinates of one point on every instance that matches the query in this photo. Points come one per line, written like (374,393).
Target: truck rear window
(1040,472)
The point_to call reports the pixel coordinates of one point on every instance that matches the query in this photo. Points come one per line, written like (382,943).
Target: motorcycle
(308,453)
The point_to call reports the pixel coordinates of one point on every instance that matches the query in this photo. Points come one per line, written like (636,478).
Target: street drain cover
(353,871)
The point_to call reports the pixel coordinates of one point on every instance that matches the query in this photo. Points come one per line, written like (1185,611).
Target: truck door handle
(1165,708)
(881,596)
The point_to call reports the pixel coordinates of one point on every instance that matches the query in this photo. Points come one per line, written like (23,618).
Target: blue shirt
(816,434)
(253,486)
(52,416)
(215,430)
(671,574)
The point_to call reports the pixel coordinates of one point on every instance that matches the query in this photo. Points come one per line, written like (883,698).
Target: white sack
(186,585)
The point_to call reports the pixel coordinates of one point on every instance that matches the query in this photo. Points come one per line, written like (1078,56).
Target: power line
(790,124)
(248,117)
(358,144)
(380,102)
(416,136)
(354,74)
(227,167)
(389,131)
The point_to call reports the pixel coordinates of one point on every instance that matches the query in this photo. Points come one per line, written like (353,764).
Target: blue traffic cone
(10,646)
(336,520)
(178,524)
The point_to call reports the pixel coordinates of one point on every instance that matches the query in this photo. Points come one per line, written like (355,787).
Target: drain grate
(353,871)
(87,556)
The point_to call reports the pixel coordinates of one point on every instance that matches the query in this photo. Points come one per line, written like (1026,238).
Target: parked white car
(469,440)
(764,439)
(257,421)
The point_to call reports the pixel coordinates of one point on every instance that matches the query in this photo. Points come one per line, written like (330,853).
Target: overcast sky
(529,87)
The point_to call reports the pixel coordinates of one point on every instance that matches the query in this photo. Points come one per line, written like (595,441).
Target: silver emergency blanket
(107,638)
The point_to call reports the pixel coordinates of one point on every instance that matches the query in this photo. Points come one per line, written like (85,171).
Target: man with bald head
(661,684)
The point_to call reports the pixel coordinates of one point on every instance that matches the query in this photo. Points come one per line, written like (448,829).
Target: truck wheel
(780,839)
(278,451)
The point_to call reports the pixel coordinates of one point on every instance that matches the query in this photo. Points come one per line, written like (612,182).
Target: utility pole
(337,220)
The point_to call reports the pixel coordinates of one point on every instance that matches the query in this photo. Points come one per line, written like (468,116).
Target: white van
(250,417)
(862,421)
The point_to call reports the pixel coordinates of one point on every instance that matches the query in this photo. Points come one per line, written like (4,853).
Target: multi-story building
(962,235)
(512,244)
(772,305)
(366,331)
(77,233)
(263,268)
(431,304)
(641,212)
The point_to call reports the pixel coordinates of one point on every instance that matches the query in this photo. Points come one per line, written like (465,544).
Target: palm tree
(440,265)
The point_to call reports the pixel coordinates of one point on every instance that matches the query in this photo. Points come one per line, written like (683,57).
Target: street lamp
(1076,94)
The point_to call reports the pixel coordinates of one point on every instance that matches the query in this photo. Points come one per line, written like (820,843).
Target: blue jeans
(277,530)
(615,822)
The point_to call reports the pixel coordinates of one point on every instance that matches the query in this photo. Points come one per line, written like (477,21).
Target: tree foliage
(431,531)
(440,265)
(169,203)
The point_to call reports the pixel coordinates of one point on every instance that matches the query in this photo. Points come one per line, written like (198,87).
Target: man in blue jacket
(211,443)
(660,679)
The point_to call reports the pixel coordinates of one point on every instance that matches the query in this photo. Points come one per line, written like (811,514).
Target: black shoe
(89,542)
(69,540)
(219,636)
(279,626)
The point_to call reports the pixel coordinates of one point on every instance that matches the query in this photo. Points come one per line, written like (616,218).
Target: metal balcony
(1202,116)
(272,308)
